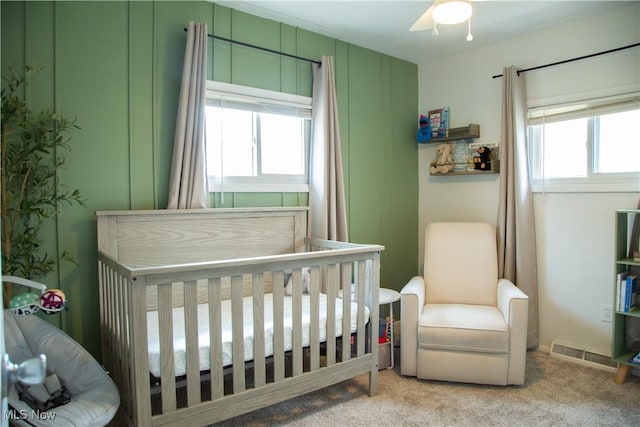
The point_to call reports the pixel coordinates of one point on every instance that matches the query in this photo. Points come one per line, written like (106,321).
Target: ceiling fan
(446,12)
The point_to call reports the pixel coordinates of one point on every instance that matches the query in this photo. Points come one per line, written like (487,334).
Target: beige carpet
(556,393)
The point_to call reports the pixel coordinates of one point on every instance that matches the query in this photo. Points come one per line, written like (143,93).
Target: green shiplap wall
(116,67)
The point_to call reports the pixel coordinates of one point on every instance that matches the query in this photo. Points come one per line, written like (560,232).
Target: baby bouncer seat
(92,397)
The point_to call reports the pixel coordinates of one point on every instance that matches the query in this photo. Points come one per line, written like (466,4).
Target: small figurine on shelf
(483,160)
(424,132)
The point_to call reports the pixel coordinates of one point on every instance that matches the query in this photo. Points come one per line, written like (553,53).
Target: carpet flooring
(556,392)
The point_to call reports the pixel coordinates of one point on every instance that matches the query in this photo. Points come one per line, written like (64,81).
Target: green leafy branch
(30,157)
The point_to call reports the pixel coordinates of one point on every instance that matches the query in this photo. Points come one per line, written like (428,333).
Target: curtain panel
(188,179)
(516,229)
(327,207)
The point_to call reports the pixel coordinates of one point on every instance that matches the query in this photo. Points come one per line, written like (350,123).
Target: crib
(212,313)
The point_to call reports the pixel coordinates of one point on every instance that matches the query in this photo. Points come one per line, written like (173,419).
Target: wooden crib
(182,292)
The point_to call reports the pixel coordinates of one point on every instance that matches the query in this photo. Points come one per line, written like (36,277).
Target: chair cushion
(95,399)
(463,327)
(460,263)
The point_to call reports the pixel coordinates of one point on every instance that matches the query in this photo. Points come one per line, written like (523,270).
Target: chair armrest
(514,306)
(415,287)
(412,297)
(508,295)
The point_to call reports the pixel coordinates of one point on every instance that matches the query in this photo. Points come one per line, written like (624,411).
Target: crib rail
(338,273)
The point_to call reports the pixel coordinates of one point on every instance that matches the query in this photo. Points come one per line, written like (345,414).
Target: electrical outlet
(606,313)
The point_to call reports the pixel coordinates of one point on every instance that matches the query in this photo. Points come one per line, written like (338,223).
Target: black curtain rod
(262,48)
(572,59)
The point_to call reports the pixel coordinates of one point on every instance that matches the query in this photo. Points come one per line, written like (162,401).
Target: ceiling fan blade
(425,22)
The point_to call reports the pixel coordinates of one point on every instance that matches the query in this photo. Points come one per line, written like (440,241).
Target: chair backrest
(460,263)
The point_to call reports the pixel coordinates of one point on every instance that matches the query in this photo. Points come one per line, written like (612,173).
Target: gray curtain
(516,231)
(188,179)
(327,207)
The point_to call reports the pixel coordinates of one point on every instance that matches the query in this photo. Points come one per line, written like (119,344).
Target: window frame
(593,181)
(262,101)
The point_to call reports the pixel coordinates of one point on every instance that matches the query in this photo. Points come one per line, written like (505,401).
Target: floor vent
(581,355)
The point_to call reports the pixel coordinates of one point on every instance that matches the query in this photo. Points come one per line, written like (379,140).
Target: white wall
(574,230)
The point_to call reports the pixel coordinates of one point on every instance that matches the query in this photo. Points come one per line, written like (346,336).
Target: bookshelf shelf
(623,263)
(628,261)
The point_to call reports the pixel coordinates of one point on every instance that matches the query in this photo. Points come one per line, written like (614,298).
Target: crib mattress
(179,341)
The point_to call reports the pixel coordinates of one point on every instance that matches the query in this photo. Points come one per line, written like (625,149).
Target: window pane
(619,143)
(233,129)
(564,149)
(213,138)
(282,144)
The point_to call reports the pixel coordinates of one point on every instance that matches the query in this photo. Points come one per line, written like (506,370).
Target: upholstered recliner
(460,322)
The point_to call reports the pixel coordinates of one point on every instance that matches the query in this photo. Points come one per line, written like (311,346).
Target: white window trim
(247,94)
(594,183)
(232,93)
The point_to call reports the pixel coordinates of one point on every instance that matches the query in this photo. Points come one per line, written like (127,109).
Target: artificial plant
(30,156)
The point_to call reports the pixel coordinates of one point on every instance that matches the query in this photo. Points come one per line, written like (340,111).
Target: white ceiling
(383,25)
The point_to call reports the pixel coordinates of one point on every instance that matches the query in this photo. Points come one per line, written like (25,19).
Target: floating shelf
(455,134)
(495,169)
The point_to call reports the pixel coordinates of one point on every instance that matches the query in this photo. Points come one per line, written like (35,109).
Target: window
(586,147)
(257,140)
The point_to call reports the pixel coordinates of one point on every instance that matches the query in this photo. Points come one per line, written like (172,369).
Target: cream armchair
(460,322)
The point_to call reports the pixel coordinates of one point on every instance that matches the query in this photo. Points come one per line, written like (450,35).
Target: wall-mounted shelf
(495,169)
(466,132)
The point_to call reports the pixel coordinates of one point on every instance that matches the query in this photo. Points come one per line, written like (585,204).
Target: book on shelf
(620,287)
(445,121)
(627,289)
(632,290)
(382,331)
(435,119)
(439,121)
(389,326)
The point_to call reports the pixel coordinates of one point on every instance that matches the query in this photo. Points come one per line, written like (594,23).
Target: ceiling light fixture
(451,11)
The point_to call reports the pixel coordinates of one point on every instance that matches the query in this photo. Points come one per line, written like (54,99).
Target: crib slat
(191,336)
(332,285)
(117,323)
(215,339)
(373,301)
(237,327)
(258,331)
(296,318)
(127,366)
(118,330)
(167,363)
(314,332)
(104,315)
(139,356)
(361,266)
(105,286)
(120,285)
(278,326)
(346,310)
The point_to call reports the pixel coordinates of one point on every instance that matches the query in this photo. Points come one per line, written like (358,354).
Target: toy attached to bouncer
(50,301)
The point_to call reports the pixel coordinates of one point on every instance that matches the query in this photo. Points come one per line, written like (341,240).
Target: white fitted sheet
(179,341)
